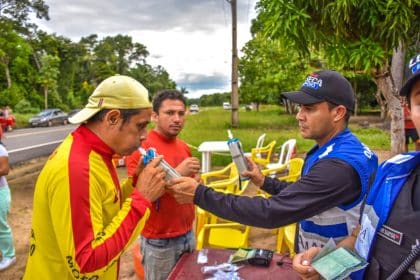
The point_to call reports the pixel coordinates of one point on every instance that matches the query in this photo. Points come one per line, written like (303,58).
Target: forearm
(273,186)
(255,211)
(95,245)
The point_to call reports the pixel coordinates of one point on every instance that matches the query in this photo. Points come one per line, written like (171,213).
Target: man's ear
(340,112)
(113,117)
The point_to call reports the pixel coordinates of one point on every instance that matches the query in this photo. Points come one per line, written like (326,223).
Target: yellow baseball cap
(116,92)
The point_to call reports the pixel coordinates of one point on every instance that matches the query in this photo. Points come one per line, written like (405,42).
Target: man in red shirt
(409,128)
(168,232)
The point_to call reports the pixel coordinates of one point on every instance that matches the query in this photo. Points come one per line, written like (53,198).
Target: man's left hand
(189,167)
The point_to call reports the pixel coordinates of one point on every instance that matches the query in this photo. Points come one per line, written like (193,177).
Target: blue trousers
(6,238)
(161,255)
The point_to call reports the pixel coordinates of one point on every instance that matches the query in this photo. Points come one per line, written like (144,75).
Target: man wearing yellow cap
(83,219)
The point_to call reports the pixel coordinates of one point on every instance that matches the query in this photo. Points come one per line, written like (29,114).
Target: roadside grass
(22,119)
(211,124)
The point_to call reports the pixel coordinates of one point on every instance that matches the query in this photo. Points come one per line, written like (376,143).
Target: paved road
(28,143)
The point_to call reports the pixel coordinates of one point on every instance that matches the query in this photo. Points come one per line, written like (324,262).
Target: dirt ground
(22,180)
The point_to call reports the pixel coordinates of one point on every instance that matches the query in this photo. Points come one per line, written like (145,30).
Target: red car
(7,123)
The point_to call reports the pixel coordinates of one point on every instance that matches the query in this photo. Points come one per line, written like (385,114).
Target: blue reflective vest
(391,177)
(337,222)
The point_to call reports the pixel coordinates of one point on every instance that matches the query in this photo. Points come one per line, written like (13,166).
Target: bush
(24,107)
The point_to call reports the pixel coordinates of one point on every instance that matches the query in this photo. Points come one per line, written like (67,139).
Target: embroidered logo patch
(312,81)
(101,100)
(391,234)
(414,64)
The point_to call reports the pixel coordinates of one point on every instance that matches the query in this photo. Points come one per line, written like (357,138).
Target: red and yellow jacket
(83,220)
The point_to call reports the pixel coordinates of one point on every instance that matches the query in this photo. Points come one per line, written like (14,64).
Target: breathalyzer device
(235,148)
(170,171)
(151,154)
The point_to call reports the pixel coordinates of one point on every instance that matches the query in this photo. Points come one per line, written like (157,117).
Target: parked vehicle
(226,106)
(7,122)
(194,108)
(49,117)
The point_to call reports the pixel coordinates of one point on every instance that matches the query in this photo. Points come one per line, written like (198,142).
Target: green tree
(353,35)
(48,78)
(19,11)
(267,69)
(12,48)
(153,78)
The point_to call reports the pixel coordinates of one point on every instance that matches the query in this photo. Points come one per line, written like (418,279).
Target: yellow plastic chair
(295,170)
(262,155)
(222,235)
(224,180)
(289,172)
(286,240)
(201,218)
(226,173)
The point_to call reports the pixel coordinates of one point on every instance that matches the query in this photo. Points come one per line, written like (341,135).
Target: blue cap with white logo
(325,85)
(413,73)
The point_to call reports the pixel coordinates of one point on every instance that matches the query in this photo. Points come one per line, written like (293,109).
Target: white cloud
(191,39)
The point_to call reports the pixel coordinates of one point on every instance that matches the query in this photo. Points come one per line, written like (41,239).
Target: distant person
(326,199)
(7,111)
(168,233)
(409,128)
(389,235)
(6,238)
(83,218)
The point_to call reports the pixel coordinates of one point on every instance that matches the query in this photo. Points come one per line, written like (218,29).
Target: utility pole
(234,95)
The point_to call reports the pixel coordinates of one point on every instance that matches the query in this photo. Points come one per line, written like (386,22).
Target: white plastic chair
(286,153)
(260,143)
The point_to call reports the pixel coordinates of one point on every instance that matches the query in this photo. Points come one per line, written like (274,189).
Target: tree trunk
(46,97)
(382,104)
(5,62)
(9,80)
(386,86)
(397,67)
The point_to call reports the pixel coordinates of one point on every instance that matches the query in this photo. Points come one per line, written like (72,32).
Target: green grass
(22,119)
(212,123)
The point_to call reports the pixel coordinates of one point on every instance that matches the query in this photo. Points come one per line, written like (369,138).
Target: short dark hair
(126,114)
(162,95)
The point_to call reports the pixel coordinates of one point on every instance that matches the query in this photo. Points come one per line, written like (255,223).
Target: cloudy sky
(191,39)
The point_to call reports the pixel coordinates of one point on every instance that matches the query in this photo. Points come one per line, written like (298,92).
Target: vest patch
(391,234)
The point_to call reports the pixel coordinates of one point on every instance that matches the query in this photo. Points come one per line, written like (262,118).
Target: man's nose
(177,117)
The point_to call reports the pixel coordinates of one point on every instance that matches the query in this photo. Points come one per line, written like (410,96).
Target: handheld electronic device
(151,154)
(238,157)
